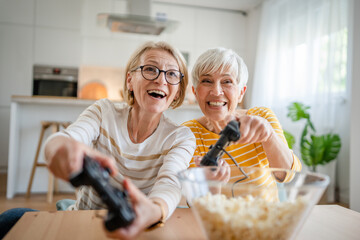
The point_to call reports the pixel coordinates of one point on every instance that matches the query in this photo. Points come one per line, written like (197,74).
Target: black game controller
(120,212)
(229,134)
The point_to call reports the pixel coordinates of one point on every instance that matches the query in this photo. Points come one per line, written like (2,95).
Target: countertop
(73,101)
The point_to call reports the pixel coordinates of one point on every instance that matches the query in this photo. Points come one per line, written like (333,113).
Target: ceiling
(238,5)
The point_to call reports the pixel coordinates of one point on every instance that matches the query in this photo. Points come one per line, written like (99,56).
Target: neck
(218,126)
(141,124)
(213,126)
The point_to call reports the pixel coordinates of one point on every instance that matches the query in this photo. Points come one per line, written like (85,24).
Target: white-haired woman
(219,83)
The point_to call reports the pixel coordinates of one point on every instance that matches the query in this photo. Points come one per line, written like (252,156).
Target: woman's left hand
(146,212)
(254,129)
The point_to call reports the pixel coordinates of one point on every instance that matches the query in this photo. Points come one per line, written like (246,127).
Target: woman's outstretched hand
(65,156)
(147,213)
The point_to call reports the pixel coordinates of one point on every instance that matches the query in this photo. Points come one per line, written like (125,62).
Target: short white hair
(220,59)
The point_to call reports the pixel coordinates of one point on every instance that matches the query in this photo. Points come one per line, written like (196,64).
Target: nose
(161,78)
(217,89)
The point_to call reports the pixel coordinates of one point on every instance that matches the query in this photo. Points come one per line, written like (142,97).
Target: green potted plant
(315,149)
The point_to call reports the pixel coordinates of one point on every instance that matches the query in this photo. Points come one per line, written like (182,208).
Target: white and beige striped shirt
(151,165)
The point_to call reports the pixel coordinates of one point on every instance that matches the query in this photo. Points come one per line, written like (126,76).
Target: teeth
(217,104)
(157,92)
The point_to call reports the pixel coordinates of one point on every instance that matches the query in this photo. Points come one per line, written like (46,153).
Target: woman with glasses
(219,84)
(143,149)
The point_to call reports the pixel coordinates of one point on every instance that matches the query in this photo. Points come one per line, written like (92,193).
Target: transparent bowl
(256,203)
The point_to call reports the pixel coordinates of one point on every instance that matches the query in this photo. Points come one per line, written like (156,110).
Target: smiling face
(157,95)
(218,94)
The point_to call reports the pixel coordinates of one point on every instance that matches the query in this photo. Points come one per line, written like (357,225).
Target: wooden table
(324,222)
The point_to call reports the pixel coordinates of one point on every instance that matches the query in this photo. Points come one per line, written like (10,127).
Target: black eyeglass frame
(159,72)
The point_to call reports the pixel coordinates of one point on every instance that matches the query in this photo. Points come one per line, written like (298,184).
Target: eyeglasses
(150,72)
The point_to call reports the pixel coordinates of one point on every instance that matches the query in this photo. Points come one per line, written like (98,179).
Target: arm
(166,190)
(65,156)
(64,151)
(167,186)
(263,127)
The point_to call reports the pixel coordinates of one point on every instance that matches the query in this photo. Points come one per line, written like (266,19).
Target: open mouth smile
(216,104)
(157,93)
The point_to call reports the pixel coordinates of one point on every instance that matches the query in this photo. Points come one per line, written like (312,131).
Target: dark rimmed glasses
(150,72)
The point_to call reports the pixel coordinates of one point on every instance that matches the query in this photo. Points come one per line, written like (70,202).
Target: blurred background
(296,51)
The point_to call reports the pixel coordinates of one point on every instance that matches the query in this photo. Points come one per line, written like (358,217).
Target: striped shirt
(246,155)
(151,165)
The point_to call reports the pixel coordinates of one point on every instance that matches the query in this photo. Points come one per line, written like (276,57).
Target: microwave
(55,81)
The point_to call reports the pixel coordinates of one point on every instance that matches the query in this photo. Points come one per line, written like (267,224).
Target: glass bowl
(256,203)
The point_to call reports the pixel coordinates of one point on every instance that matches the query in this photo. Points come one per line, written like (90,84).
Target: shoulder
(196,127)
(190,123)
(261,111)
(105,105)
(170,128)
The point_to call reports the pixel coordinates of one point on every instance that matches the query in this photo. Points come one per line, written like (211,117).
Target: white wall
(253,19)
(65,33)
(355,110)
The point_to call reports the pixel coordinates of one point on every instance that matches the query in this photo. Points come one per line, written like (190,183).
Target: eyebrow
(222,75)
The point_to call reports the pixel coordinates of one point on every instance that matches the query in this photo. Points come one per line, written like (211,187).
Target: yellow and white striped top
(246,155)
(151,165)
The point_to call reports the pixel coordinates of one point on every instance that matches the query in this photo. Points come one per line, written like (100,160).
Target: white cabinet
(26,116)
(15,61)
(19,11)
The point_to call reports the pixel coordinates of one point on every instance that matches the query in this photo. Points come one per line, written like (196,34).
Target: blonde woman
(142,147)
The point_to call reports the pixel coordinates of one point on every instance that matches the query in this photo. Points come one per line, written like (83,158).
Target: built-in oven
(55,81)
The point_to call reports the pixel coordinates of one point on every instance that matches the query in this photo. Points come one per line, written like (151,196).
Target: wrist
(161,221)
(271,139)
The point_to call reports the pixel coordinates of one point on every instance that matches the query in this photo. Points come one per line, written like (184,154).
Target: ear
(193,90)
(128,81)
(242,93)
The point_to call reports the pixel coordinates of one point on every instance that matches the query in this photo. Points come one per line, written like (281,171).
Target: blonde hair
(220,59)
(134,62)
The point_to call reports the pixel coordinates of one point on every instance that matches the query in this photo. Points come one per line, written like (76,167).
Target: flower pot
(330,170)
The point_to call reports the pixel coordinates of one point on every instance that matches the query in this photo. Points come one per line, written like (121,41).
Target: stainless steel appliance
(55,81)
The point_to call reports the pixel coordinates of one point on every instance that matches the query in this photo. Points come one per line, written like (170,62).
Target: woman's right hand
(64,157)
(222,173)
(147,213)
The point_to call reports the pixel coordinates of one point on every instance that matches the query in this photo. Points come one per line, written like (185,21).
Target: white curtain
(302,56)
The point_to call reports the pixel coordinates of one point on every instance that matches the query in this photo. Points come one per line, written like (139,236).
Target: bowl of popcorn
(256,203)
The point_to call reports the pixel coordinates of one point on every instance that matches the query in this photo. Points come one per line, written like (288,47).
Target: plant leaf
(317,149)
(305,147)
(314,149)
(332,144)
(298,111)
(290,139)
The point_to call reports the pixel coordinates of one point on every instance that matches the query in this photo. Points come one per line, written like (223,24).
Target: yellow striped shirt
(246,155)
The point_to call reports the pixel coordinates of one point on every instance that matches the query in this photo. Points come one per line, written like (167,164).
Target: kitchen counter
(64,101)
(26,114)
(51,100)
